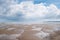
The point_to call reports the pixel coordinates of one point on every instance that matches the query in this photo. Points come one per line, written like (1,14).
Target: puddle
(37,29)
(41,34)
(11,28)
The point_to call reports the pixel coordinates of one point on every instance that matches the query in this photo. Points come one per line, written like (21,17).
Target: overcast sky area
(29,10)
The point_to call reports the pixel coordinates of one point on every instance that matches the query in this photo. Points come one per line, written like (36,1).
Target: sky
(29,10)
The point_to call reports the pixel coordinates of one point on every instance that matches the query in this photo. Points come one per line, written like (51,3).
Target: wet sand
(30,32)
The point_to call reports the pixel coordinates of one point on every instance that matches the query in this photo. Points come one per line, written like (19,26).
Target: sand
(30,32)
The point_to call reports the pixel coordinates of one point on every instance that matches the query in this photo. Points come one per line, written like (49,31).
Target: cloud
(27,10)
(30,10)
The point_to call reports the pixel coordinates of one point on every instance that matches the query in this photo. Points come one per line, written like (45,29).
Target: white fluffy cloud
(29,10)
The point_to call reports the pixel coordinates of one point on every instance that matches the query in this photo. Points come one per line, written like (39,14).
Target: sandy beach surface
(30,32)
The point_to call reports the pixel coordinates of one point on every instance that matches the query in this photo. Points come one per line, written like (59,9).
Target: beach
(30,32)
